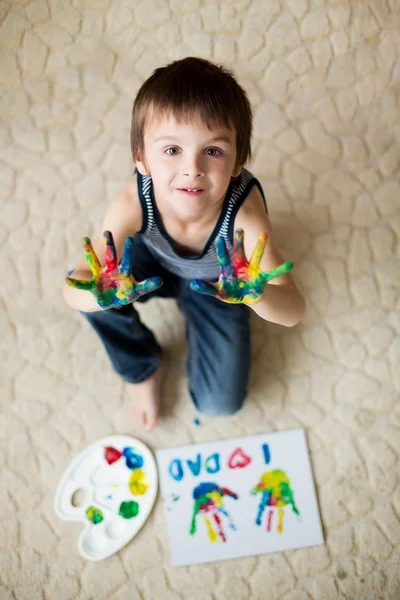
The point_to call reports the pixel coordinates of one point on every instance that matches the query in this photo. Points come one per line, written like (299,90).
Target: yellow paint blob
(138,483)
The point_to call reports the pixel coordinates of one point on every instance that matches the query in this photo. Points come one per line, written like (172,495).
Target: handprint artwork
(240,281)
(275,490)
(208,502)
(218,506)
(113,285)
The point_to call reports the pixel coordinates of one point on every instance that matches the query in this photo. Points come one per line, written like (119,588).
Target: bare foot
(146,398)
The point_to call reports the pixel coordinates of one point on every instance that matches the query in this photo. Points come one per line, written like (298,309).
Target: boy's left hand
(240,281)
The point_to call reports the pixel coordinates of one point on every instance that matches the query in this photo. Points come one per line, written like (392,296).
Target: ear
(140,163)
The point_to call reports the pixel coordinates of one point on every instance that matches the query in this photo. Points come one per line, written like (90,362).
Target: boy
(190,138)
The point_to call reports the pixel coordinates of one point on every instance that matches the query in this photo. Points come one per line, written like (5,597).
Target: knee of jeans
(218,405)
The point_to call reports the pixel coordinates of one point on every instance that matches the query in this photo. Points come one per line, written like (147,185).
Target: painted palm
(208,501)
(275,490)
(113,285)
(240,281)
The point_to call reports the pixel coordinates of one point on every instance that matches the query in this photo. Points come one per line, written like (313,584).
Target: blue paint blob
(195,466)
(204,489)
(197,421)
(133,460)
(214,467)
(267,454)
(176,469)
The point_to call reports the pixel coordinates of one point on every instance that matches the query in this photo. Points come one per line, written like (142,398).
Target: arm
(281,301)
(123,218)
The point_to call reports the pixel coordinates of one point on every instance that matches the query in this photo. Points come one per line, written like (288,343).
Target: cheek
(222,173)
(224,167)
(161,169)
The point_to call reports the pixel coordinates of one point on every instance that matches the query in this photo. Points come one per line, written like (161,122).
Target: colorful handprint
(208,502)
(275,490)
(113,285)
(240,281)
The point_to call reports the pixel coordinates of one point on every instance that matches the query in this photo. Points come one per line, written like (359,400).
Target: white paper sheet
(239,497)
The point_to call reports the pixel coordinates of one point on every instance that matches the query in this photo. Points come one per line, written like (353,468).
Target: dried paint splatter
(276,492)
(208,501)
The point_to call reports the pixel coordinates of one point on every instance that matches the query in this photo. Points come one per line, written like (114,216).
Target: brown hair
(194,86)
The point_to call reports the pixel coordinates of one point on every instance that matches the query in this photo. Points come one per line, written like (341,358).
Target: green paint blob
(95,515)
(128,510)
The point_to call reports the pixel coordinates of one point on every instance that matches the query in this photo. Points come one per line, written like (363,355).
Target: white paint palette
(111,487)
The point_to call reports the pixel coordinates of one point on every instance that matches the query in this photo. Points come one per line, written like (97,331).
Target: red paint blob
(238,459)
(111,454)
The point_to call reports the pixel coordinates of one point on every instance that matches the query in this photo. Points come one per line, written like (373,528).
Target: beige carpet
(324,79)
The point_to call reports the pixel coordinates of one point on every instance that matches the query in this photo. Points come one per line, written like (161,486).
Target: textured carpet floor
(324,80)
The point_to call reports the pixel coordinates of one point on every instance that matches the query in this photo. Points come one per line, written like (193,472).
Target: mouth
(192,191)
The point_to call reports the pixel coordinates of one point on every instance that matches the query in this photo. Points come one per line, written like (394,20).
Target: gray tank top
(161,246)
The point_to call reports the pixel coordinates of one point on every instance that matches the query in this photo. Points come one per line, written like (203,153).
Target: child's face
(181,156)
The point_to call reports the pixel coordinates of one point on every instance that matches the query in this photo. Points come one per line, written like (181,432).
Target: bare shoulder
(252,217)
(125,211)
(252,214)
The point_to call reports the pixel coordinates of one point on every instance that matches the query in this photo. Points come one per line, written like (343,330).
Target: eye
(174,149)
(213,152)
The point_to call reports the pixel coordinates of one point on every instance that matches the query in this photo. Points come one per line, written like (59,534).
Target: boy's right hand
(113,285)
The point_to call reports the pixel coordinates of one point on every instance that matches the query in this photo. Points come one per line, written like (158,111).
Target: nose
(192,167)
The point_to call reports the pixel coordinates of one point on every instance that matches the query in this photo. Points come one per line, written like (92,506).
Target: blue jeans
(218,336)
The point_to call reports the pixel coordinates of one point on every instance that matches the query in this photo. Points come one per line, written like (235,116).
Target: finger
(111,255)
(127,257)
(148,285)
(91,257)
(203,287)
(258,250)
(277,272)
(238,249)
(79,284)
(223,256)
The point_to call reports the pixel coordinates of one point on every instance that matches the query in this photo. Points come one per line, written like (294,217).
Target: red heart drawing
(238,459)
(111,454)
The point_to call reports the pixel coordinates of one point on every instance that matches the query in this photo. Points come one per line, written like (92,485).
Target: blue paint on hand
(197,421)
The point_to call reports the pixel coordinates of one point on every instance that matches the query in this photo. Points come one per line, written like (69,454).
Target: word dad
(237,459)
